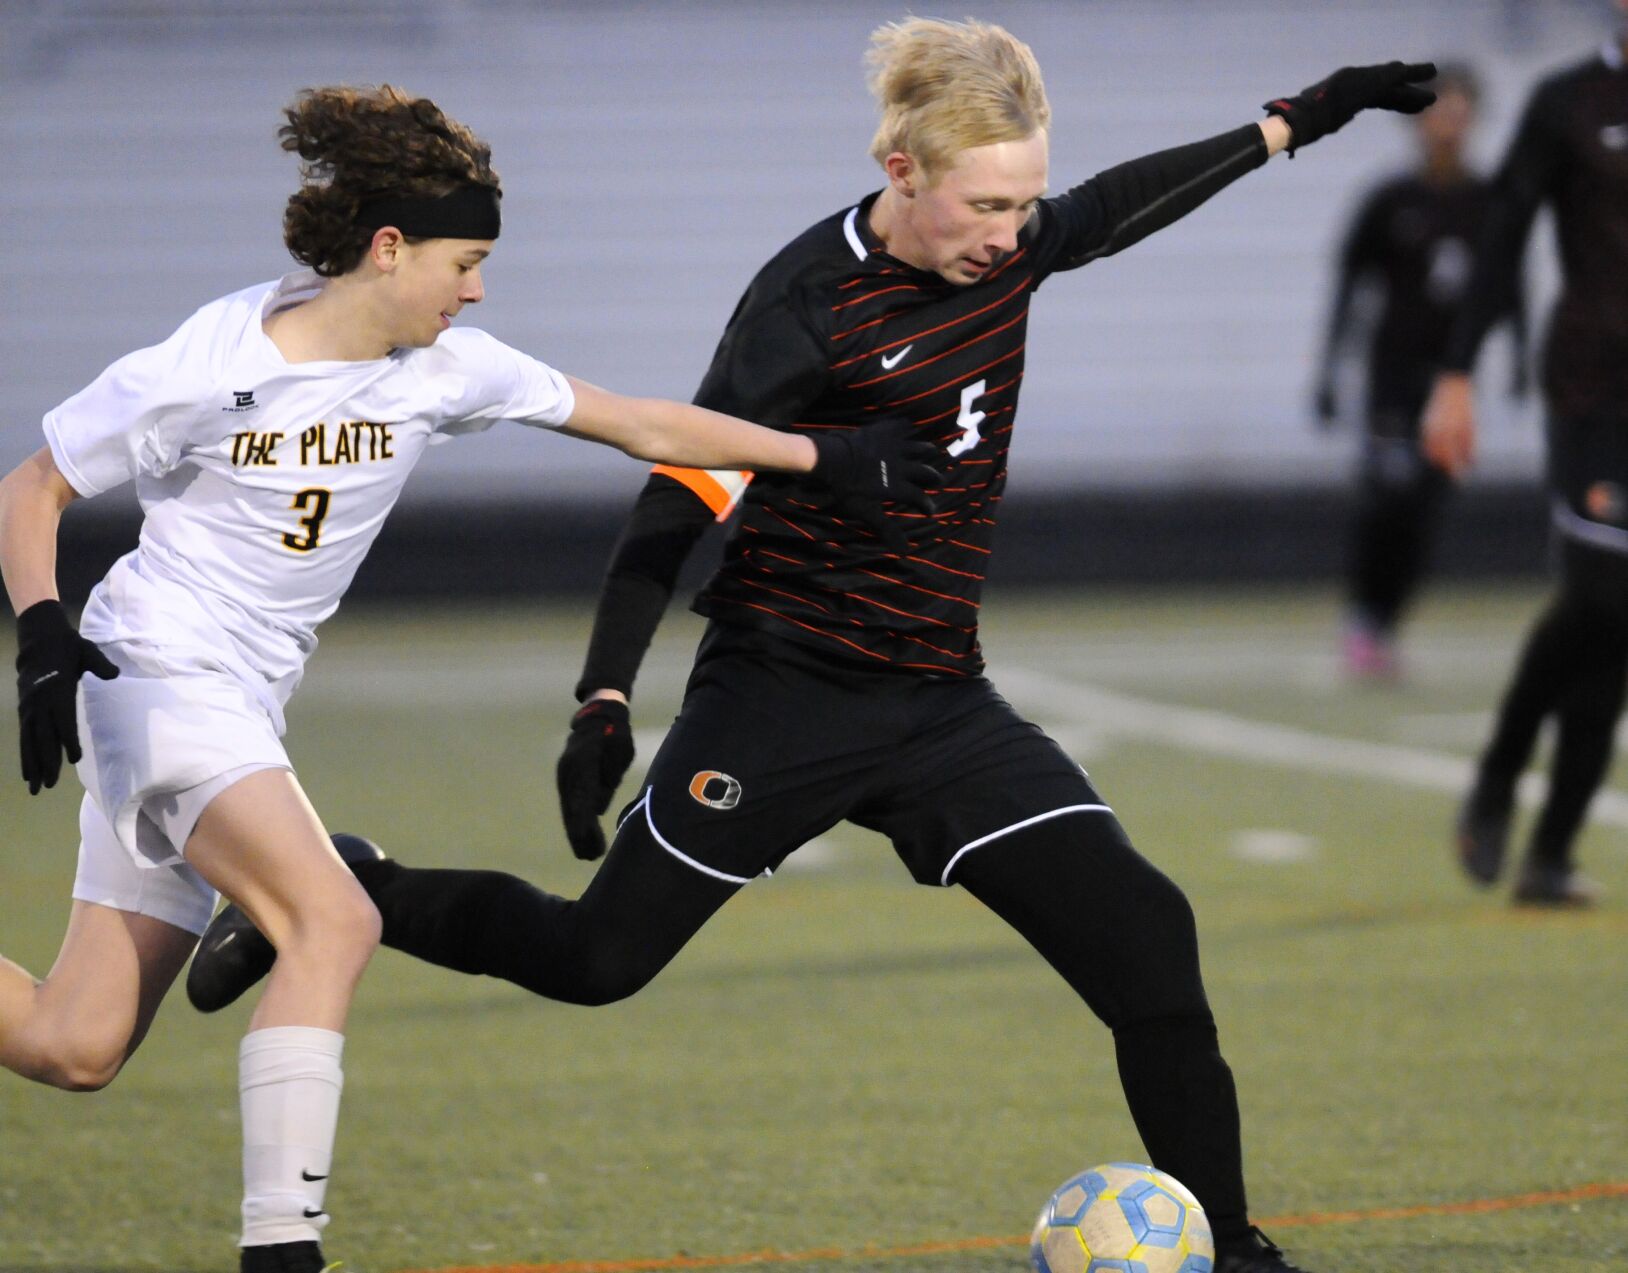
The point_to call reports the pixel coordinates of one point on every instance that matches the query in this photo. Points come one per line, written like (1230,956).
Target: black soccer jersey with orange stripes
(834,332)
(881,340)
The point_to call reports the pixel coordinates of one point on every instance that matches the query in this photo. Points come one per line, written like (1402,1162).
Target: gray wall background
(653,154)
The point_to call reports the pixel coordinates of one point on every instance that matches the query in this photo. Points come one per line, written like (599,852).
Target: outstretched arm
(678,433)
(1123,205)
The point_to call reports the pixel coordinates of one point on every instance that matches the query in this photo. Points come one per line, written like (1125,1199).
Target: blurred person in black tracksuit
(1412,241)
(1570,154)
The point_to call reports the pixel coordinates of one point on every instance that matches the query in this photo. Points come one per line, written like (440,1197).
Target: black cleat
(1562,887)
(1482,833)
(283,1257)
(233,954)
(1257,1254)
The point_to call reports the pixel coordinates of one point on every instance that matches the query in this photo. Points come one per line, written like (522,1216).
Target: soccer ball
(1122,1217)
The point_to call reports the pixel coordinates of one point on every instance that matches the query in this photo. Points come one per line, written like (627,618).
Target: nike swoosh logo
(305,1175)
(49,675)
(312,1215)
(890,361)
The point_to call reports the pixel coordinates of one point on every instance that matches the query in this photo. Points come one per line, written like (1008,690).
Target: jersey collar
(866,246)
(856,228)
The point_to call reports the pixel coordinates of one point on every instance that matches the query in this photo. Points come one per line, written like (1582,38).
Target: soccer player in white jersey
(268,437)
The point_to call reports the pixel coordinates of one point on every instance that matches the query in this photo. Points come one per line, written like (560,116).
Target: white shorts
(159,743)
(109,876)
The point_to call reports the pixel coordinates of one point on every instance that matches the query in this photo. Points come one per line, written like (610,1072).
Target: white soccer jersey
(265,482)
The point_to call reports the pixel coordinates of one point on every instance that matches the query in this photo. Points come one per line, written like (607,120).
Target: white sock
(289,1083)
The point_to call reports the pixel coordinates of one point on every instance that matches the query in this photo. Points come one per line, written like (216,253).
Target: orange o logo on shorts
(715,790)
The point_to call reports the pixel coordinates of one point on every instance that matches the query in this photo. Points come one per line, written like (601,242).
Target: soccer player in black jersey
(841,676)
(1413,240)
(1571,154)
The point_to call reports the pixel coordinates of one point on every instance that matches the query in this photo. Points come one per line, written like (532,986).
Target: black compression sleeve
(1125,204)
(1523,183)
(667,522)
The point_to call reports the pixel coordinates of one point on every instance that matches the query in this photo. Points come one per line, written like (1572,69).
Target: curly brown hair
(361,143)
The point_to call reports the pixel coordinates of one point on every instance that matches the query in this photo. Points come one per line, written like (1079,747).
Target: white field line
(1313,662)
(1273,846)
(1467,727)
(1239,738)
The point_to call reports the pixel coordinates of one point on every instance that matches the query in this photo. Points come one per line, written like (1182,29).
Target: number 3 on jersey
(969,420)
(313,500)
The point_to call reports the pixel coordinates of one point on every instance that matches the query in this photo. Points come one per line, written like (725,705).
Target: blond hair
(945,87)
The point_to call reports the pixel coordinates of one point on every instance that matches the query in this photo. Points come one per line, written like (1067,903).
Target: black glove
(877,463)
(595,757)
(1327,107)
(51,657)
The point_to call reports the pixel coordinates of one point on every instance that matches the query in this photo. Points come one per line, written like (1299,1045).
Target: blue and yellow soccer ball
(1122,1217)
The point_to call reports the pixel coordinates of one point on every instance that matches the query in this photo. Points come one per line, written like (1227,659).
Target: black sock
(637,912)
(468,921)
(1123,936)
(1185,1107)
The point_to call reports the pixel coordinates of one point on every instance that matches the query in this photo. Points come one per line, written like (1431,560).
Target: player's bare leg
(76,1028)
(260,843)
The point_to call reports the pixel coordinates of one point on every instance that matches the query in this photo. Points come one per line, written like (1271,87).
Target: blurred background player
(268,438)
(1412,242)
(841,677)
(1570,154)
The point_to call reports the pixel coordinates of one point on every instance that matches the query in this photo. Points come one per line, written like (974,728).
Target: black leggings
(1574,667)
(1399,501)
(1115,928)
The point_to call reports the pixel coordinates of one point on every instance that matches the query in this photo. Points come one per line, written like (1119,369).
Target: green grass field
(845,1068)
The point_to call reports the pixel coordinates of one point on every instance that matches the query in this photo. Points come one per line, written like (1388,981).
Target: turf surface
(848,1068)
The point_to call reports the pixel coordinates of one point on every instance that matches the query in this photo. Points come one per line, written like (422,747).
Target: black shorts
(1588,479)
(775,745)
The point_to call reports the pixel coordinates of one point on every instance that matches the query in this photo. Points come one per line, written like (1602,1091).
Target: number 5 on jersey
(313,501)
(969,420)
